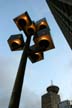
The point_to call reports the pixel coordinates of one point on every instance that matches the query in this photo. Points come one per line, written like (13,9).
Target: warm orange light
(35,57)
(45,37)
(17,41)
(41,24)
(25,18)
(44,23)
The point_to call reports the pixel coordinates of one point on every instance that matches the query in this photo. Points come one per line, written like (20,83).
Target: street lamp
(42,42)
(16,42)
(35,57)
(43,39)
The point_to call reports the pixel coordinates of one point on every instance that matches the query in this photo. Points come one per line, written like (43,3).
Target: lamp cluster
(41,36)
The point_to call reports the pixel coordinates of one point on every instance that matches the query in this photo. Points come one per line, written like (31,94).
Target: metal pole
(16,93)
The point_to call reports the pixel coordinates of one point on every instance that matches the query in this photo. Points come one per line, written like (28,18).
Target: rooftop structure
(51,99)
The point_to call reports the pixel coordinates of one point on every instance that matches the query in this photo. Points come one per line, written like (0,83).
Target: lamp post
(34,52)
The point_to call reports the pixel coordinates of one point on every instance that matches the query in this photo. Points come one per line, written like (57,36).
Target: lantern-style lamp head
(35,56)
(41,24)
(22,21)
(43,39)
(16,42)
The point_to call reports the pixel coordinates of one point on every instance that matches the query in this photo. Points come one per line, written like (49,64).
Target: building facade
(65,104)
(52,99)
(62,12)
